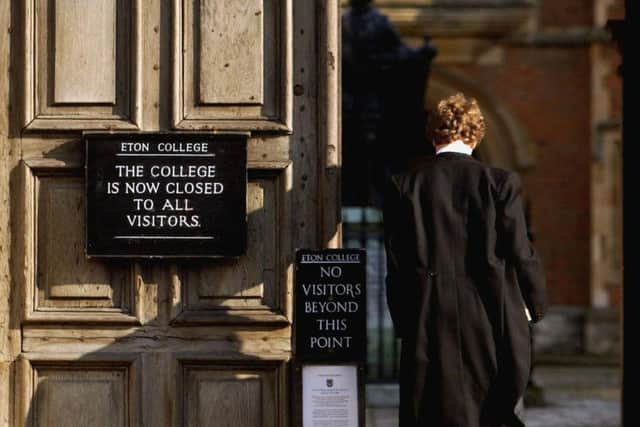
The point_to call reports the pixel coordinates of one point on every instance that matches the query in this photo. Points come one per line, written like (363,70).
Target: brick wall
(548,90)
(563,13)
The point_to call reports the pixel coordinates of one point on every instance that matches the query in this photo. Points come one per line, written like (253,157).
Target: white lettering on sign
(334,271)
(146,204)
(160,221)
(330,307)
(332,324)
(330,258)
(181,171)
(183,147)
(129,171)
(141,187)
(206,188)
(156,180)
(328,302)
(329,289)
(134,147)
(330,342)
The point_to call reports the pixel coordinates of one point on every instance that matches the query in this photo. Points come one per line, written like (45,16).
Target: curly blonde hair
(456,117)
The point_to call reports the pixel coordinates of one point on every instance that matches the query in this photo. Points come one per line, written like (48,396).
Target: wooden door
(157,342)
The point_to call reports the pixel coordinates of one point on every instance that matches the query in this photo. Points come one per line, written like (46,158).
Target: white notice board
(330,396)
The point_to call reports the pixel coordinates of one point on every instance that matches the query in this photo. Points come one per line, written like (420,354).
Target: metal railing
(363,228)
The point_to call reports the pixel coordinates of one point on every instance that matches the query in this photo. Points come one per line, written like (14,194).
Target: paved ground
(575,413)
(575,396)
(572,413)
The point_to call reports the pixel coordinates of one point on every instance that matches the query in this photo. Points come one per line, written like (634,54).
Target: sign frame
(354,297)
(235,142)
(357,359)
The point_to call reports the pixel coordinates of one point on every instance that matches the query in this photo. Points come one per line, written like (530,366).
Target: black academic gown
(461,269)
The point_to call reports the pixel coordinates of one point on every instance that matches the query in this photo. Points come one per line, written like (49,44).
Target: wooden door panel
(252,287)
(64,283)
(232,62)
(80,396)
(229,41)
(83,72)
(63,392)
(63,272)
(80,64)
(241,282)
(233,395)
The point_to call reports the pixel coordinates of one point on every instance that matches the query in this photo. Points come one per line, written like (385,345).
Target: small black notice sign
(165,195)
(331,305)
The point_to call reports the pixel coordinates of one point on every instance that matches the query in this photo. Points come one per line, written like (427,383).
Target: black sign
(162,194)
(331,305)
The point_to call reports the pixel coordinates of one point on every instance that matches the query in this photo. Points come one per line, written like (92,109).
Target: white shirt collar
(457,146)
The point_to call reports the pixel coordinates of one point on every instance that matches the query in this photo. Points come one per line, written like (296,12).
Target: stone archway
(507,143)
